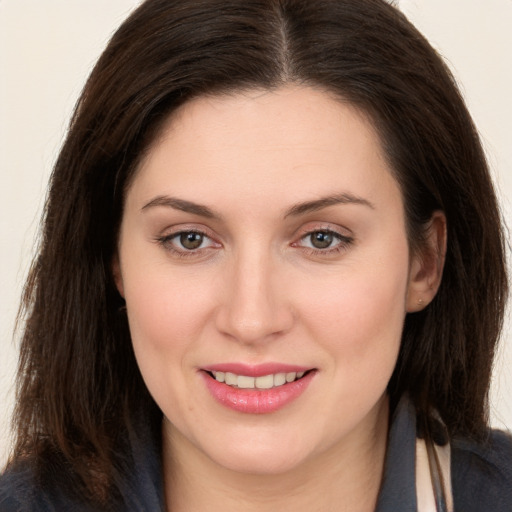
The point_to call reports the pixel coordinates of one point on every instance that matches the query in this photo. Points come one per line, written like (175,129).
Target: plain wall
(48,47)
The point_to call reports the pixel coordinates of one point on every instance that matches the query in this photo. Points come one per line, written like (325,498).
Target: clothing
(481,475)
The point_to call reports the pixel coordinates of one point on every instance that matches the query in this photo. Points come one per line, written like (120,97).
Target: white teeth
(263,382)
(230,378)
(291,376)
(244,382)
(279,379)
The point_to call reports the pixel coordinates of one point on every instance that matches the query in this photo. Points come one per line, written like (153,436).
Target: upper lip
(258,370)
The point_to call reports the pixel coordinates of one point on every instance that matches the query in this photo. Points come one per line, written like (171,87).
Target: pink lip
(256,401)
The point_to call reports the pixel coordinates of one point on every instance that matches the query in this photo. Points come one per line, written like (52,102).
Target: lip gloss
(256,401)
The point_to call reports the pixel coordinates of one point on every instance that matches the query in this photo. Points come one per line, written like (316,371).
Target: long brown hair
(79,388)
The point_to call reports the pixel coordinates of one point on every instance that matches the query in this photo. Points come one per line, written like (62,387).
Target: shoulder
(21,492)
(18,491)
(482,473)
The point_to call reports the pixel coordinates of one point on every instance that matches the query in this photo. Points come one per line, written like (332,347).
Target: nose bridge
(254,308)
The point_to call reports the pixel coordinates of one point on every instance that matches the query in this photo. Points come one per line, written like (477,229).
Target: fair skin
(266,227)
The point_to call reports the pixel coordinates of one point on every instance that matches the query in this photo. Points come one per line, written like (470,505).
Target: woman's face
(263,239)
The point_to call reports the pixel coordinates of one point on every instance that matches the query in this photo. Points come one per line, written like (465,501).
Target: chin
(265,449)
(259,462)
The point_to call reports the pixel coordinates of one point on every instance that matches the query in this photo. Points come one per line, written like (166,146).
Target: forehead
(266,145)
(253,118)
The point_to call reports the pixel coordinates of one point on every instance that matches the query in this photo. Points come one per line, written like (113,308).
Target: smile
(256,390)
(264,382)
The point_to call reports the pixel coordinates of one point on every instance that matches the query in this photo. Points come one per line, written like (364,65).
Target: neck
(346,477)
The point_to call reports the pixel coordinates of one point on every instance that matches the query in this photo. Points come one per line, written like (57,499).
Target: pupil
(321,239)
(191,240)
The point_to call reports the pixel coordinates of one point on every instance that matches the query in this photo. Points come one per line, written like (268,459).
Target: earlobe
(426,268)
(116,273)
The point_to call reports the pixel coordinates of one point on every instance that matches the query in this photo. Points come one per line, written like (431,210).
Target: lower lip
(257,401)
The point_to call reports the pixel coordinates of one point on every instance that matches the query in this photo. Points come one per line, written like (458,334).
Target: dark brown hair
(79,386)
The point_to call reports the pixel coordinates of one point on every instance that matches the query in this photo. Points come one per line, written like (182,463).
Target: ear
(116,273)
(426,267)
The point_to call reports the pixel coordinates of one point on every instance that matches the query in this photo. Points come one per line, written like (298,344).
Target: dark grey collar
(398,488)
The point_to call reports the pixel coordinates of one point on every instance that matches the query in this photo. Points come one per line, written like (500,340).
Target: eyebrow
(325,202)
(182,205)
(298,209)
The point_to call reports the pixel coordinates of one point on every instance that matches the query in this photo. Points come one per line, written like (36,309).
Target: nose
(254,308)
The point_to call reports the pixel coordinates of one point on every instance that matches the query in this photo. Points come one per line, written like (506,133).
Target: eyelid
(341,238)
(344,240)
(313,227)
(177,229)
(169,234)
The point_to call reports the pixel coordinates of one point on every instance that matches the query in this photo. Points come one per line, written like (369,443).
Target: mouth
(270,381)
(263,391)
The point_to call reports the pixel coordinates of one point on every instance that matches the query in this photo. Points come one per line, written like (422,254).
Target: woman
(271,276)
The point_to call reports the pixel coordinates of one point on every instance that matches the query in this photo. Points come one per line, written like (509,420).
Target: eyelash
(343,243)
(166,242)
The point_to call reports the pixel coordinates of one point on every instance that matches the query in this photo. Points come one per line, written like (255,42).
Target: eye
(191,240)
(324,241)
(321,239)
(187,242)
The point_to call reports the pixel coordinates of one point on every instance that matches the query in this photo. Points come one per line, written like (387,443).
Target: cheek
(165,306)
(358,313)
(167,314)
(166,318)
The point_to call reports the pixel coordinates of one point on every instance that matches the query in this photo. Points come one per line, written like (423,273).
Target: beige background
(47,48)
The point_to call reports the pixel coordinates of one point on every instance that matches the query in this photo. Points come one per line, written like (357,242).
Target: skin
(257,290)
